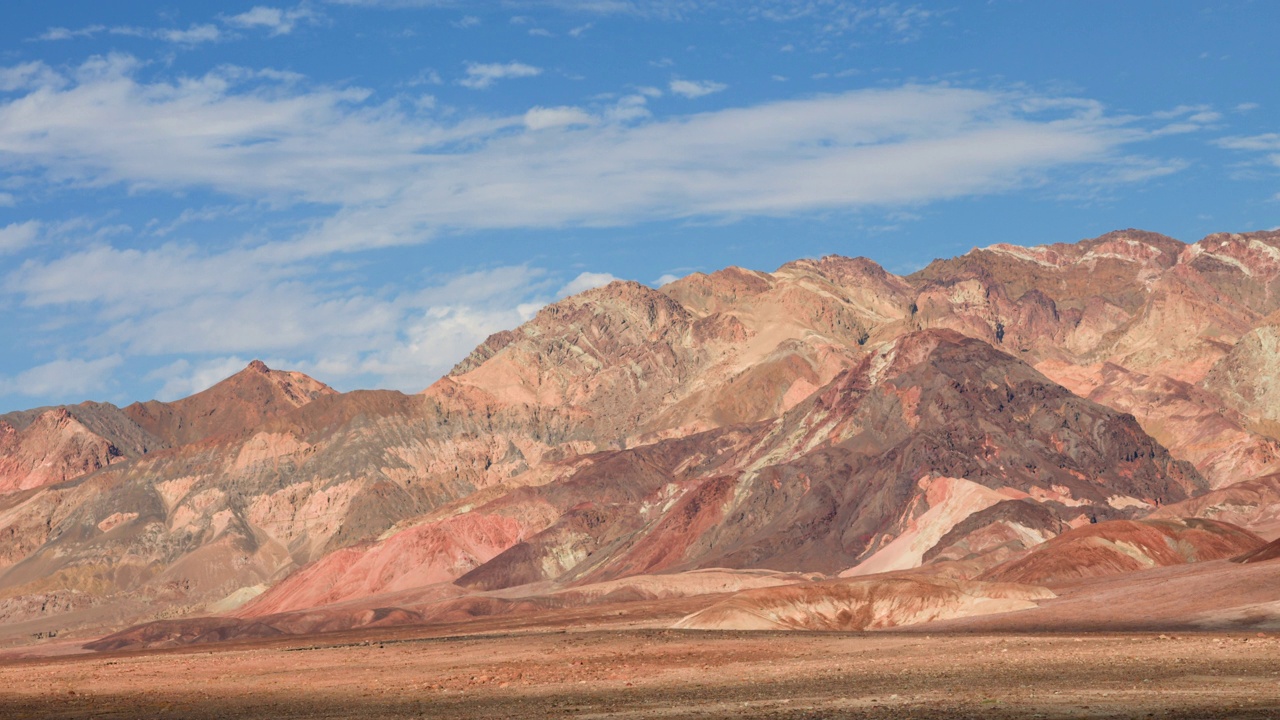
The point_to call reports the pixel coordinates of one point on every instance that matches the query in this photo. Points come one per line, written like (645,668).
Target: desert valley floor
(628,671)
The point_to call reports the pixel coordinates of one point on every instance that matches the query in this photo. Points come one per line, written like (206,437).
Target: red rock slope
(1122,546)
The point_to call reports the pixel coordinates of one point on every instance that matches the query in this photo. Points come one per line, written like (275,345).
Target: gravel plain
(650,673)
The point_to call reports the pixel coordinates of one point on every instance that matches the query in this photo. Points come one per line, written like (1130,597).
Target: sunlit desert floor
(657,673)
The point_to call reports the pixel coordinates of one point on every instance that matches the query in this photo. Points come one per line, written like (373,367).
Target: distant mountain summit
(241,401)
(49,445)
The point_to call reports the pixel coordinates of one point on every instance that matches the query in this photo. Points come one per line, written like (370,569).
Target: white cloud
(694,89)
(278,21)
(236,131)
(1180,111)
(435,342)
(191,36)
(1126,171)
(482,75)
(629,108)
(28,75)
(366,175)
(62,378)
(61,33)
(396,176)
(584,282)
(7,200)
(17,236)
(428,76)
(182,378)
(864,148)
(236,304)
(1264,142)
(895,21)
(361,173)
(132,280)
(1205,117)
(540,118)
(664,279)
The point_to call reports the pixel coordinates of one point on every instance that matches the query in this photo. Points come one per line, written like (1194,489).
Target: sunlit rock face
(828,417)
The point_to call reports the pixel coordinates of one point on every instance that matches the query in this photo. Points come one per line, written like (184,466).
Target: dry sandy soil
(628,670)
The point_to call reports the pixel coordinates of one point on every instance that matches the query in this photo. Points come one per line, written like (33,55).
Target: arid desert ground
(628,668)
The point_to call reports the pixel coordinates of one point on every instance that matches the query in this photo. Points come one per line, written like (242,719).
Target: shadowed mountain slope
(839,478)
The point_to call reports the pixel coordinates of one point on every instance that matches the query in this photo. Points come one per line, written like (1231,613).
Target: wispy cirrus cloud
(361,173)
(195,34)
(277,21)
(1263,142)
(1265,148)
(864,148)
(390,169)
(481,76)
(695,89)
(62,33)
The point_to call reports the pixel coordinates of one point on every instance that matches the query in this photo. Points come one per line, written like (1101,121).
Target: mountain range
(828,445)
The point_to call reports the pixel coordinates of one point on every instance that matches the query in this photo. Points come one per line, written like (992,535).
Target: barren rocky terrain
(630,672)
(637,503)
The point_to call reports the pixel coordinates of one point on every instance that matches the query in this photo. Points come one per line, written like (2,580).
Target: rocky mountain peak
(233,405)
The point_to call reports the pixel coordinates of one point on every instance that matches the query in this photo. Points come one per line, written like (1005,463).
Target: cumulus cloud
(16,236)
(278,21)
(482,75)
(694,89)
(28,75)
(584,282)
(540,118)
(62,378)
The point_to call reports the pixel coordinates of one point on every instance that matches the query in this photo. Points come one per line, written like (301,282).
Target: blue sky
(364,189)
